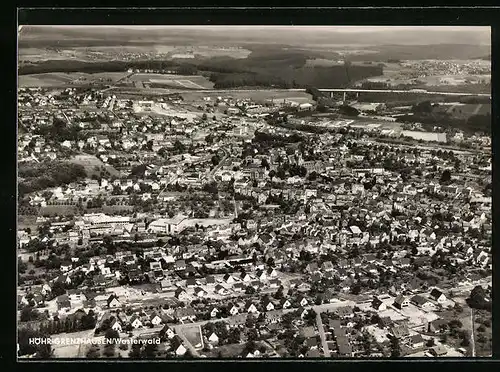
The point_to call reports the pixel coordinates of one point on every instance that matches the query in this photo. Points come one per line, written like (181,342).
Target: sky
(415,35)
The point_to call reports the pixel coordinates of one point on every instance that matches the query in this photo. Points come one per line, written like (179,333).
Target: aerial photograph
(236,192)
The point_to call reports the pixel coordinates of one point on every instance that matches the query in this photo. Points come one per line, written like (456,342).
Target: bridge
(332,91)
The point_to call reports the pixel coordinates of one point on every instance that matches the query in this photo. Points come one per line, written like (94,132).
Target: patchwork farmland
(171,81)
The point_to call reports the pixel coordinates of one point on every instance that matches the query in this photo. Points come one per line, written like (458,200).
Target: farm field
(61,79)
(173,81)
(211,52)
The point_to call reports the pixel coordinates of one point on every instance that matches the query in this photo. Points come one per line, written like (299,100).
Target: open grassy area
(89,162)
(61,79)
(193,335)
(173,81)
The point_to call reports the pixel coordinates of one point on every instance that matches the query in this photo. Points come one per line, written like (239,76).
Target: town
(249,225)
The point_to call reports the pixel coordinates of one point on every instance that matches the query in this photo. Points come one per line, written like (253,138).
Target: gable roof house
(438,296)
(401,301)
(63,302)
(422,302)
(378,304)
(113,302)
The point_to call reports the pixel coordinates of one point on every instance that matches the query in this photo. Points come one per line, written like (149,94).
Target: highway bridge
(336,90)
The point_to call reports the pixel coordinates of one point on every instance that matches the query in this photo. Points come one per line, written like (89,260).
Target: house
(261,275)
(437,326)
(327,266)
(213,338)
(438,350)
(422,302)
(228,278)
(115,325)
(239,287)
(199,292)
(155,319)
(135,322)
(219,289)
(302,301)
(167,331)
(66,266)
(209,279)
(250,307)
(245,277)
(416,341)
(302,312)
(344,312)
(272,273)
(180,265)
(285,304)
(404,262)
(269,306)
(401,302)
(274,283)
(312,267)
(185,313)
(214,312)
(233,309)
(113,301)
(438,296)
(181,350)
(400,331)
(256,284)
(181,294)
(378,304)
(385,322)
(63,302)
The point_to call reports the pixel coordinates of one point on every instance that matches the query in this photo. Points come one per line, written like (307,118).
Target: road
(210,174)
(473,341)
(322,335)
(326,90)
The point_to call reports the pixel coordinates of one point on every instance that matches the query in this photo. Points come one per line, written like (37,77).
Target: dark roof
(210,279)
(419,300)
(416,338)
(400,331)
(436,293)
(399,299)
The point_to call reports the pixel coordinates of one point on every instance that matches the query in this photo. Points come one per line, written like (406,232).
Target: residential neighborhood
(232,227)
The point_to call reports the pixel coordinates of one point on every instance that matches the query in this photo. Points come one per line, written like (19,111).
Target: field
(193,334)
(211,52)
(61,79)
(464,111)
(173,81)
(322,62)
(89,162)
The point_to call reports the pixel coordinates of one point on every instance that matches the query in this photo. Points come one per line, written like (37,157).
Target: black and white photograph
(253,192)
